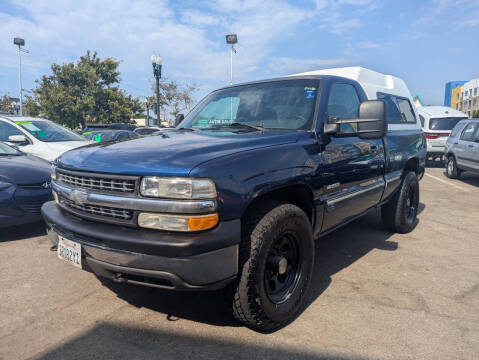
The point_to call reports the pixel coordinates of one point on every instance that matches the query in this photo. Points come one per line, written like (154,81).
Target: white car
(437,123)
(39,137)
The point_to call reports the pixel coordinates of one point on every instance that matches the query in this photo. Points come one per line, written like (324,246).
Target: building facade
(470,97)
(448,90)
(456,98)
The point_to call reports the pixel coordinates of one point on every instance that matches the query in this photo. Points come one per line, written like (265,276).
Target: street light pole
(157,62)
(20,42)
(231,39)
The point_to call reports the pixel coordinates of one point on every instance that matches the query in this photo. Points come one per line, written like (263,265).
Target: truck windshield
(285,104)
(446,123)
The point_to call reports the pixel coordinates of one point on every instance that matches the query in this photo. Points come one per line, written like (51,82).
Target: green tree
(6,104)
(475,114)
(85,91)
(174,97)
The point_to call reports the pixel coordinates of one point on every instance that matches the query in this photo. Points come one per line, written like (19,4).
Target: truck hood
(174,153)
(24,169)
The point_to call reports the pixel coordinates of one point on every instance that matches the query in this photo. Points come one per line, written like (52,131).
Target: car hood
(24,169)
(174,153)
(55,149)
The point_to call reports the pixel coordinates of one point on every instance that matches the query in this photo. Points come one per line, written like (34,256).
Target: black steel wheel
(399,214)
(276,262)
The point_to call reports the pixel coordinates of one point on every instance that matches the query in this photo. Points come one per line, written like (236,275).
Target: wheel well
(412,165)
(299,195)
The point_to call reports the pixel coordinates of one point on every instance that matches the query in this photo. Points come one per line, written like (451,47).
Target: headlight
(177,188)
(53,172)
(177,222)
(4,185)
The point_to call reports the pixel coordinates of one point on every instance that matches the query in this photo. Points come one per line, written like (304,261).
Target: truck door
(352,168)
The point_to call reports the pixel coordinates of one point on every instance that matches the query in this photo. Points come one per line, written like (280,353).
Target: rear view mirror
(18,139)
(179,118)
(371,123)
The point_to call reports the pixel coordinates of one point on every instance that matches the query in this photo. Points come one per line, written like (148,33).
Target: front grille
(122,214)
(99,182)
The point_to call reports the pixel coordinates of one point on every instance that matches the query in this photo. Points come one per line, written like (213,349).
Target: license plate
(69,251)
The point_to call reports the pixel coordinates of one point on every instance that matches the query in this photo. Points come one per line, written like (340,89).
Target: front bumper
(201,261)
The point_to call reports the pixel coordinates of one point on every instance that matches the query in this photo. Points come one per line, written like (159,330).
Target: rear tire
(400,213)
(452,172)
(276,256)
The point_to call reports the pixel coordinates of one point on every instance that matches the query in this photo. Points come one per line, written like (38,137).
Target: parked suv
(235,196)
(462,148)
(437,123)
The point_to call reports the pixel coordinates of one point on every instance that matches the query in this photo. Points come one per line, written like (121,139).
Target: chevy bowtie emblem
(47,185)
(79,197)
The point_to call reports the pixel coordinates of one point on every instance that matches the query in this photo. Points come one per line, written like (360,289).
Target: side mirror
(179,118)
(371,123)
(18,139)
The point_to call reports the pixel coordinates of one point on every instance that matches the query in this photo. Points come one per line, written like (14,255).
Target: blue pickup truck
(235,196)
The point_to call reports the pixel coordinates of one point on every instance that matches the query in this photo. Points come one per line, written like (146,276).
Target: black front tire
(265,299)
(452,172)
(400,213)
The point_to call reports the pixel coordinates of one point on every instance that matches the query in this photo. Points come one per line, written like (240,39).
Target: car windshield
(446,123)
(99,136)
(47,131)
(285,104)
(7,150)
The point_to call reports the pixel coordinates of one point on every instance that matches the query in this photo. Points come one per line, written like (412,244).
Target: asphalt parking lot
(375,295)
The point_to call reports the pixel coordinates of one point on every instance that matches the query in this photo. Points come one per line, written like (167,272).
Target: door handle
(455,143)
(470,145)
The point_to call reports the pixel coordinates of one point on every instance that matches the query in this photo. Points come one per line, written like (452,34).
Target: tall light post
(157,63)
(231,39)
(20,42)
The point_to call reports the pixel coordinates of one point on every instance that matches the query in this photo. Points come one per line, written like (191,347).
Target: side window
(343,102)
(7,130)
(468,132)
(407,113)
(398,110)
(422,120)
(456,129)
(392,112)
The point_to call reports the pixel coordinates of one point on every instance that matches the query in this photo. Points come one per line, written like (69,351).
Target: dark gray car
(462,148)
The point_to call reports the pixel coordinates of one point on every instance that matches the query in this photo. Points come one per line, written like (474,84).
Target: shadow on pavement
(435,164)
(470,178)
(115,341)
(24,231)
(334,252)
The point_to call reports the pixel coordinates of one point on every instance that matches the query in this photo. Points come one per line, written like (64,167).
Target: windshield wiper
(251,126)
(188,129)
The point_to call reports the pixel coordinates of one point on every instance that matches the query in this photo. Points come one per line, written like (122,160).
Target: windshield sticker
(310,94)
(29,126)
(42,134)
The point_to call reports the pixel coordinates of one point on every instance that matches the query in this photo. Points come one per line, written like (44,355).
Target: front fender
(242,177)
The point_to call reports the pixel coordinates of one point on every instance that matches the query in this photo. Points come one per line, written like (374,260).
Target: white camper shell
(374,83)
(437,123)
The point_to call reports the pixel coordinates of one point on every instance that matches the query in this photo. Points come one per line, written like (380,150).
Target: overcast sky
(425,42)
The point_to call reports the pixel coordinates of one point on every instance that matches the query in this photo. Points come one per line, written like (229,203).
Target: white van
(39,137)
(437,123)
